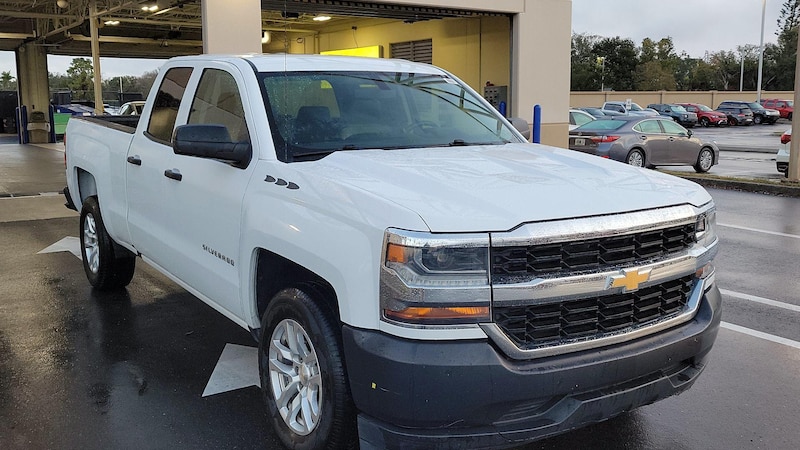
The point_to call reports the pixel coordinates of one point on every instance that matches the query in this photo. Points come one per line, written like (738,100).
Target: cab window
(167,102)
(217,101)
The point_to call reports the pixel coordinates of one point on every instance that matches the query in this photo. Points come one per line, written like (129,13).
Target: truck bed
(125,124)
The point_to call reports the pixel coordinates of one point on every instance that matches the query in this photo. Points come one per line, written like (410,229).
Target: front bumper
(467,394)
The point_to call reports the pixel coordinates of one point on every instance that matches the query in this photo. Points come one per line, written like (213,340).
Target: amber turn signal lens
(395,253)
(417,314)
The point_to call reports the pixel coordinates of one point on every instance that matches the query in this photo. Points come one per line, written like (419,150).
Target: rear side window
(167,103)
(217,101)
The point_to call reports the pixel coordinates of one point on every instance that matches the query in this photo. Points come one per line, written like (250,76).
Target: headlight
(705,228)
(430,279)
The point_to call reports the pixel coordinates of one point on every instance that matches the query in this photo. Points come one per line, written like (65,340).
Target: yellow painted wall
(473,49)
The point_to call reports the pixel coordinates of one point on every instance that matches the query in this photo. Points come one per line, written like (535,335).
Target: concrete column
(231,26)
(33,86)
(540,67)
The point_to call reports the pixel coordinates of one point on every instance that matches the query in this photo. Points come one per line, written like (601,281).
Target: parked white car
(782,158)
(578,118)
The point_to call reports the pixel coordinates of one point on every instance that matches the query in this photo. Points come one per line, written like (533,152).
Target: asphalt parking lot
(155,368)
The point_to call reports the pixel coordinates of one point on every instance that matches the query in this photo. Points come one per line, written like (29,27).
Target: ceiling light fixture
(63,4)
(322,18)
(111,22)
(266,37)
(150,8)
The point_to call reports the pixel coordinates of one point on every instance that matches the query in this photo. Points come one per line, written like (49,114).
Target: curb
(782,189)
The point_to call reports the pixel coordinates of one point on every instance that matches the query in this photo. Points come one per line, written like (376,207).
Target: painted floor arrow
(68,244)
(237,368)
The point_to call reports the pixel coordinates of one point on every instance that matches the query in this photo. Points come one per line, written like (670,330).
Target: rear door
(149,156)
(681,149)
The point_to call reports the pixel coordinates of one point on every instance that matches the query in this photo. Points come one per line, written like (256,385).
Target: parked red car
(785,107)
(705,115)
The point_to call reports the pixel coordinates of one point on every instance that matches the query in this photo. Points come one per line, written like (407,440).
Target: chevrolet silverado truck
(416,274)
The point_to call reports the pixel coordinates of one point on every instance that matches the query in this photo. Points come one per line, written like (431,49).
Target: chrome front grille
(588,255)
(549,324)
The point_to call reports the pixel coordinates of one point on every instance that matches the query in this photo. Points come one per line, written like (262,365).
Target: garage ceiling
(174,27)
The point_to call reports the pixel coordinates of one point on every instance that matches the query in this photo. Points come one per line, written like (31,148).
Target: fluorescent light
(111,22)
(321,18)
(150,8)
(266,37)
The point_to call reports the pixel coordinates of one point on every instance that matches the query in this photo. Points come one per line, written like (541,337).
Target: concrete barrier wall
(709,98)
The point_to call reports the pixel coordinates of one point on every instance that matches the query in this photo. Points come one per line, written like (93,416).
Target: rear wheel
(705,159)
(303,378)
(635,158)
(107,266)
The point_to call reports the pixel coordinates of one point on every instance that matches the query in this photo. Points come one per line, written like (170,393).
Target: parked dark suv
(677,112)
(737,115)
(760,114)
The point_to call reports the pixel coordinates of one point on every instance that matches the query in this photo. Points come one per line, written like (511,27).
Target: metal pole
(793,173)
(741,74)
(761,50)
(603,75)
(98,84)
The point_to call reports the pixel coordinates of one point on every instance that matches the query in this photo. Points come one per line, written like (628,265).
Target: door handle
(174,174)
(135,160)
(644,138)
(671,138)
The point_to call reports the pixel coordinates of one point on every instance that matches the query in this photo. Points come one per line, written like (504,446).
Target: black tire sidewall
(641,153)
(113,272)
(698,166)
(337,420)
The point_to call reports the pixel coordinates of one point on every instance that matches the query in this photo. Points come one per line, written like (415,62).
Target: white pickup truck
(417,275)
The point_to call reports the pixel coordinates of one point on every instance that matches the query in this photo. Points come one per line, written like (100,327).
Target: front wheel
(704,122)
(758,119)
(303,377)
(106,265)
(635,158)
(704,161)
(732,122)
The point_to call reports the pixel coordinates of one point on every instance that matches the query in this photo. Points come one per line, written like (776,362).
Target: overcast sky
(695,26)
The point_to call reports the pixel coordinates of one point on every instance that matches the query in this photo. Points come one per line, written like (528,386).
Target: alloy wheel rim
(705,160)
(635,159)
(295,377)
(91,247)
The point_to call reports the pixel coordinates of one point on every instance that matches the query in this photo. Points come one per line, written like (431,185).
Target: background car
(131,108)
(677,112)
(784,107)
(760,114)
(644,142)
(782,158)
(600,112)
(635,109)
(705,115)
(578,118)
(737,115)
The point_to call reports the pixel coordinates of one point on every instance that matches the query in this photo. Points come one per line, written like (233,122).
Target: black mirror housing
(211,141)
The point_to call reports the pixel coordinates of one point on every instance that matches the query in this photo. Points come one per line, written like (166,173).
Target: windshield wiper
(463,143)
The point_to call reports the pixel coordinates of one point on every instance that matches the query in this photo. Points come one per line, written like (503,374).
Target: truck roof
(281,62)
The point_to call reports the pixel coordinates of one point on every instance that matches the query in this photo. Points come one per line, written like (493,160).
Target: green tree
(81,78)
(652,76)
(621,57)
(789,17)
(586,74)
(7,81)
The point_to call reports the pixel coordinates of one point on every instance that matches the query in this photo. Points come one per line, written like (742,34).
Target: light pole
(741,74)
(602,61)
(761,50)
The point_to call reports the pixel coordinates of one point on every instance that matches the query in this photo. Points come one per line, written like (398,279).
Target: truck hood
(497,188)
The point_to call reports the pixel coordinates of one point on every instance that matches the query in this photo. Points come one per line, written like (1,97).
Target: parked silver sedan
(644,142)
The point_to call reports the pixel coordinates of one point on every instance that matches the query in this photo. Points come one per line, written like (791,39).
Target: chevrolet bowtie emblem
(628,279)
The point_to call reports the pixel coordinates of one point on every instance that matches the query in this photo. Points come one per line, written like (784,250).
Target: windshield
(704,108)
(678,108)
(635,107)
(316,113)
(601,125)
(755,106)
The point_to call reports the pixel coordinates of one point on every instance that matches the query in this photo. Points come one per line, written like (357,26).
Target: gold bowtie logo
(628,279)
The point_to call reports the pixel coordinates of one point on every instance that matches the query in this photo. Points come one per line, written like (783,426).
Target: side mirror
(689,132)
(522,126)
(211,141)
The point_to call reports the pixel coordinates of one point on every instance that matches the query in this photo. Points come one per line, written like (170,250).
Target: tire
(309,371)
(757,119)
(107,266)
(732,121)
(704,122)
(789,116)
(705,159)
(636,158)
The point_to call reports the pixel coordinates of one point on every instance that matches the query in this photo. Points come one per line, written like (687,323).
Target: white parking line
(761,335)
(775,233)
(761,300)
